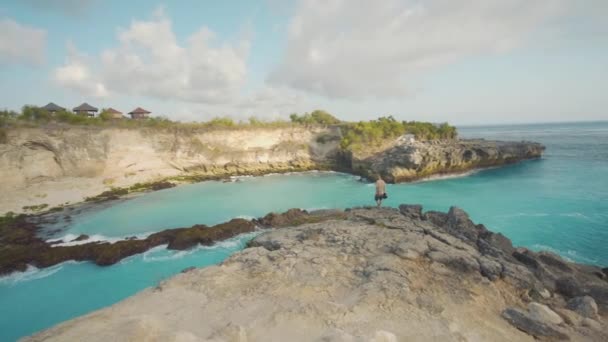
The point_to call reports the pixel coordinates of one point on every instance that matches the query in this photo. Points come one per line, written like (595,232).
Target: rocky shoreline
(21,246)
(365,274)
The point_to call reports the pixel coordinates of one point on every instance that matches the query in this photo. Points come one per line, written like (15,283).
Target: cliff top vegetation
(354,134)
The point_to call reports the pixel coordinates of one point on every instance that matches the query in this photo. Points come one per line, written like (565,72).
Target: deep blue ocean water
(559,203)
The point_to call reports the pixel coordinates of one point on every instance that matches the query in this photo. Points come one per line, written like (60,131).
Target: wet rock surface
(362,273)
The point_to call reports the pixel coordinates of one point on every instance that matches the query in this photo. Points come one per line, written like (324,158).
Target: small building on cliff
(53,108)
(85,109)
(139,113)
(113,113)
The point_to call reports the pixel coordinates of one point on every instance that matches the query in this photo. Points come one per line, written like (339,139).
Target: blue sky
(465,62)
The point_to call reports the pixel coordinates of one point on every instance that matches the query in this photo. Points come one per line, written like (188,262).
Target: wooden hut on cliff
(113,113)
(139,113)
(85,109)
(53,108)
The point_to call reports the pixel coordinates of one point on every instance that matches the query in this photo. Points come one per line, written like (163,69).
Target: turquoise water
(558,203)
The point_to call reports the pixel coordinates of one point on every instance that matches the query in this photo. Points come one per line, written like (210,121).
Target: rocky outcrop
(408,161)
(20,246)
(373,274)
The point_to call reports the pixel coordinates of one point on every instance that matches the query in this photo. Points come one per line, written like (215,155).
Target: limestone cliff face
(36,164)
(407,161)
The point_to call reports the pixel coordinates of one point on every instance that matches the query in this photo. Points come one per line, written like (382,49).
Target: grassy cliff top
(355,135)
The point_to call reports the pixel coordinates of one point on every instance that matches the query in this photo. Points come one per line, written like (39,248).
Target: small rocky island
(364,274)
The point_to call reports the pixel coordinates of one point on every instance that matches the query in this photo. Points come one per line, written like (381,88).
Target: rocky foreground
(364,275)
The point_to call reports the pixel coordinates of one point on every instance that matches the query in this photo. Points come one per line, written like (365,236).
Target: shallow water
(558,203)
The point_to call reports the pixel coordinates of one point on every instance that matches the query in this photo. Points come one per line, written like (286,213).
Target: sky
(463,62)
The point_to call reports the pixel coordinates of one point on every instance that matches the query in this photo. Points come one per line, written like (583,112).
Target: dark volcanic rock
(19,245)
(523,322)
(200,234)
(81,237)
(275,220)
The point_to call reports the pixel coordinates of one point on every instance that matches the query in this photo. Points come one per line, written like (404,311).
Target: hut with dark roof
(139,113)
(113,113)
(53,108)
(85,109)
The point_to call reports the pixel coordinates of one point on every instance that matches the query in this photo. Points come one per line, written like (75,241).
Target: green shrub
(319,117)
(372,133)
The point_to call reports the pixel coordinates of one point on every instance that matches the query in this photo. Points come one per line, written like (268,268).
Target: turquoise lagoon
(558,203)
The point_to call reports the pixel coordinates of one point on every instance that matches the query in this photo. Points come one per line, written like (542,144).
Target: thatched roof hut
(114,114)
(52,108)
(85,109)
(139,113)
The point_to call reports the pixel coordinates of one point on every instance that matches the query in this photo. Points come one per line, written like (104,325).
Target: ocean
(558,203)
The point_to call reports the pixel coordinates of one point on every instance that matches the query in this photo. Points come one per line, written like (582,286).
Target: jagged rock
(568,286)
(490,269)
(585,306)
(188,269)
(81,237)
(410,161)
(523,322)
(554,260)
(543,314)
(284,219)
(411,211)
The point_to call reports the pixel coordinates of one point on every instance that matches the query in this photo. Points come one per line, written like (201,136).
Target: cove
(558,203)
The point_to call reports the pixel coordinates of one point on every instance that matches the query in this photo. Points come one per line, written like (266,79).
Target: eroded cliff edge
(366,274)
(61,164)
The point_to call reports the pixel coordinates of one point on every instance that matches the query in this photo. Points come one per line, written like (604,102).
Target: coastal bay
(540,204)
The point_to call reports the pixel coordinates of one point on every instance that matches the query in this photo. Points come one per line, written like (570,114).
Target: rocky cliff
(411,160)
(61,164)
(365,274)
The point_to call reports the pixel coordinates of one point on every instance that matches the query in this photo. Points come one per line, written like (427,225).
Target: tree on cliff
(318,116)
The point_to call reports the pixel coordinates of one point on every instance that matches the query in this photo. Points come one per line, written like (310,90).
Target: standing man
(380,191)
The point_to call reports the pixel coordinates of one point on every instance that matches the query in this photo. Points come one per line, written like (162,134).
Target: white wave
(569,255)
(574,254)
(541,247)
(577,215)
(450,175)
(166,255)
(315,208)
(524,215)
(33,273)
(68,239)
(246,217)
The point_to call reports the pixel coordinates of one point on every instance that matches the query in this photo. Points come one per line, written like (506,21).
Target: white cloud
(360,48)
(20,44)
(77,75)
(150,61)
